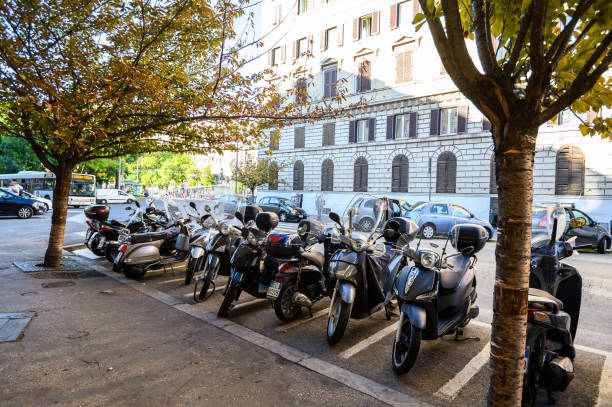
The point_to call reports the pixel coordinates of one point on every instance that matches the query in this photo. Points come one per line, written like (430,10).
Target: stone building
(418,138)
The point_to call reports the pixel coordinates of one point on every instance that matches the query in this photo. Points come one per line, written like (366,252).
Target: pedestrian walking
(319,203)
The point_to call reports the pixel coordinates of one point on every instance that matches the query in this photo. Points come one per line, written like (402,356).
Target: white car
(104,196)
(47,204)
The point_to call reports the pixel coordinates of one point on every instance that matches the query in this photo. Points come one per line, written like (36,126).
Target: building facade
(418,138)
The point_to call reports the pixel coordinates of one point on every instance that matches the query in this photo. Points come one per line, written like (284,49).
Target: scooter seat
(148,237)
(315,258)
(544,299)
(452,273)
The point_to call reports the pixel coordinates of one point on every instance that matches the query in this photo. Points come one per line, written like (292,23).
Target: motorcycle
(363,270)
(141,252)
(303,277)
(437,295)
(555,291)
(247,273)
(214,251)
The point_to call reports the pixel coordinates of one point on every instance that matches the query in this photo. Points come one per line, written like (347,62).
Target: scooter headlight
(358,245)
(224,228)
(428,259)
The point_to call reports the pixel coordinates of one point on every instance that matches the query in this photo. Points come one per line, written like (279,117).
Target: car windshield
(286,202)
(368,215)
(543,220)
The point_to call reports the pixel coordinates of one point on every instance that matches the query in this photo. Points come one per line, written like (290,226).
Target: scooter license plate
(101,242)
(274,290)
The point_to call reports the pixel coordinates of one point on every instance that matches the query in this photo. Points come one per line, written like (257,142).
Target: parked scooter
(303,277)
(364,270)
(553,310)
(437,296)
(213,254)
(247,273)
(168,248)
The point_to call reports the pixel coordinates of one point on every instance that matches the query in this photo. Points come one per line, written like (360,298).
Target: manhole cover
(58,284)
(13,324)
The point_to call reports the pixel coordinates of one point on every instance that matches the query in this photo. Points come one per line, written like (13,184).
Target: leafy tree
(17,156)
(103,168)
(536,58)
(104,79)
(252,174)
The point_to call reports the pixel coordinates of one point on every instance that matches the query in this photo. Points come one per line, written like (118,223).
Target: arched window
(399,174)
(360,175)
(298,176)
(273,176)
(569,176)
(446,173)
(327,175)
(492,176)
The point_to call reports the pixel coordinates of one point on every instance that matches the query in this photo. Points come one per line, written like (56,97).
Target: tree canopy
(253,174)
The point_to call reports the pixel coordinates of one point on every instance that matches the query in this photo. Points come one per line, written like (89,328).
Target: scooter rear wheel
(406,350)
(284,307)
(337,321)
(134,273)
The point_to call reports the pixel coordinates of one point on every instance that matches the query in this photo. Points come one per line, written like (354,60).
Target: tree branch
(520,40)
(483,43)
(536,53)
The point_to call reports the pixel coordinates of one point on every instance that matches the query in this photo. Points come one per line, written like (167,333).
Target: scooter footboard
(416,314)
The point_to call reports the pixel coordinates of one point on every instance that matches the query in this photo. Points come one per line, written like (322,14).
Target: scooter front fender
(347,292)
(416,314)
(197,252)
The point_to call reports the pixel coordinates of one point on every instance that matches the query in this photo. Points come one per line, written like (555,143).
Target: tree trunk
(514,158)
(53,255)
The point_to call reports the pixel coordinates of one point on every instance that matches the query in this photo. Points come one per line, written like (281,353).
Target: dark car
(284,208)
(24,208)
(438,218)
(591,235)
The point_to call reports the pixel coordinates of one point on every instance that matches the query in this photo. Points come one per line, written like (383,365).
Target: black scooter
(552,317)
(247,273)
(437,295)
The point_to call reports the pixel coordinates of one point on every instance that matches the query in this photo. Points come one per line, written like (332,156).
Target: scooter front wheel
(192,266)
(406,350)
(209,273)
(228,299)
(337,321)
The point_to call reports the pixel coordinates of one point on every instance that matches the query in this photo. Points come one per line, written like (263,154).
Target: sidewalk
(97,342)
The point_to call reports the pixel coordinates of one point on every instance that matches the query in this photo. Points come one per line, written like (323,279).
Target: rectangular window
(403,67)
(569,117)
(365,26)
(363,79)
(404,13)
(402,126)
(448,121)
(278,11)
(329,82)
(301,47)
(363,129)
(276,56)
(331,38)
(299,134)
(329,134)
(302,6)
(301,90)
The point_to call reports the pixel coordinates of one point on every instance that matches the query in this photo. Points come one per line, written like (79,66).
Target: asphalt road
(446,371)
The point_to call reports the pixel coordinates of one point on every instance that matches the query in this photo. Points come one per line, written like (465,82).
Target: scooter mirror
(334,216)
(128,208)
(238,216)
(207,208)
(245,233)
(137,204)
(193,205)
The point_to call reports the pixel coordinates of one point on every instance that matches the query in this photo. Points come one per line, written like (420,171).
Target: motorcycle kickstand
(459,333)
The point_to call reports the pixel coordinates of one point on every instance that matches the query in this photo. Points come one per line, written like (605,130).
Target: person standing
(16,188)
(319,203)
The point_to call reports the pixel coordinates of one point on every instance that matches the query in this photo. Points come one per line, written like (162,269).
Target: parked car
(24,208)
(438,218)
(110,195)
(591,235)
(47,203)
(284,208)
(363,219)
(229,204)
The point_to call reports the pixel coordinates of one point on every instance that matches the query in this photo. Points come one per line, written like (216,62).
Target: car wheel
(428,230)
(282,217)
(366,224)
(47,197)
(76,206)
(602,245)
(25,212)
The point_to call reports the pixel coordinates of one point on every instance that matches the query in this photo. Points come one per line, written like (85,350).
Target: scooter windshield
(544,218)
(364,215)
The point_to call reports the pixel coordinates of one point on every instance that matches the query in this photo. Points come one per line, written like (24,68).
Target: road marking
(299,322)
(341,375)
(248,303)
(174,280)
(353,350)
(452,387)
(605,383)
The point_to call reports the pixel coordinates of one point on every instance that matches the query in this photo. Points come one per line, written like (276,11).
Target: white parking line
(605,382)
(353,350)
(174,280)
(299,322)
(450,390)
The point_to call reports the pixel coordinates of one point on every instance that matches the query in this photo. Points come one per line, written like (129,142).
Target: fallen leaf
(78,334)
(109,292)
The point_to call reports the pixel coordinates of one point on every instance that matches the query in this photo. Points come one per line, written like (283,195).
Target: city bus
(41,183)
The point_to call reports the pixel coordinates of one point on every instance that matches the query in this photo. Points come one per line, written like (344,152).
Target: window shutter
(323,47)
(327,175)
(416,7)
(399,67)
(298,176)
(446,173)
(299,136)
(462,113)
(375,23)
(372,129)
(486,124)
(591,115)
(294,54)
(414,116)
(355,29)
(408,66)
(352,128)
(395,175)
(569,177)
(283,52)
(404,175)
(365,73)
(270,57)
(451,178)
(390,125)
(340,34)
(328,134)
(434,122)
(356,176)
(393,23)
(310,40)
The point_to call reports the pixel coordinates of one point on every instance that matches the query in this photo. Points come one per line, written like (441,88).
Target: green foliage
(17,156)
(159,169)
(103,168)
(252,174)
